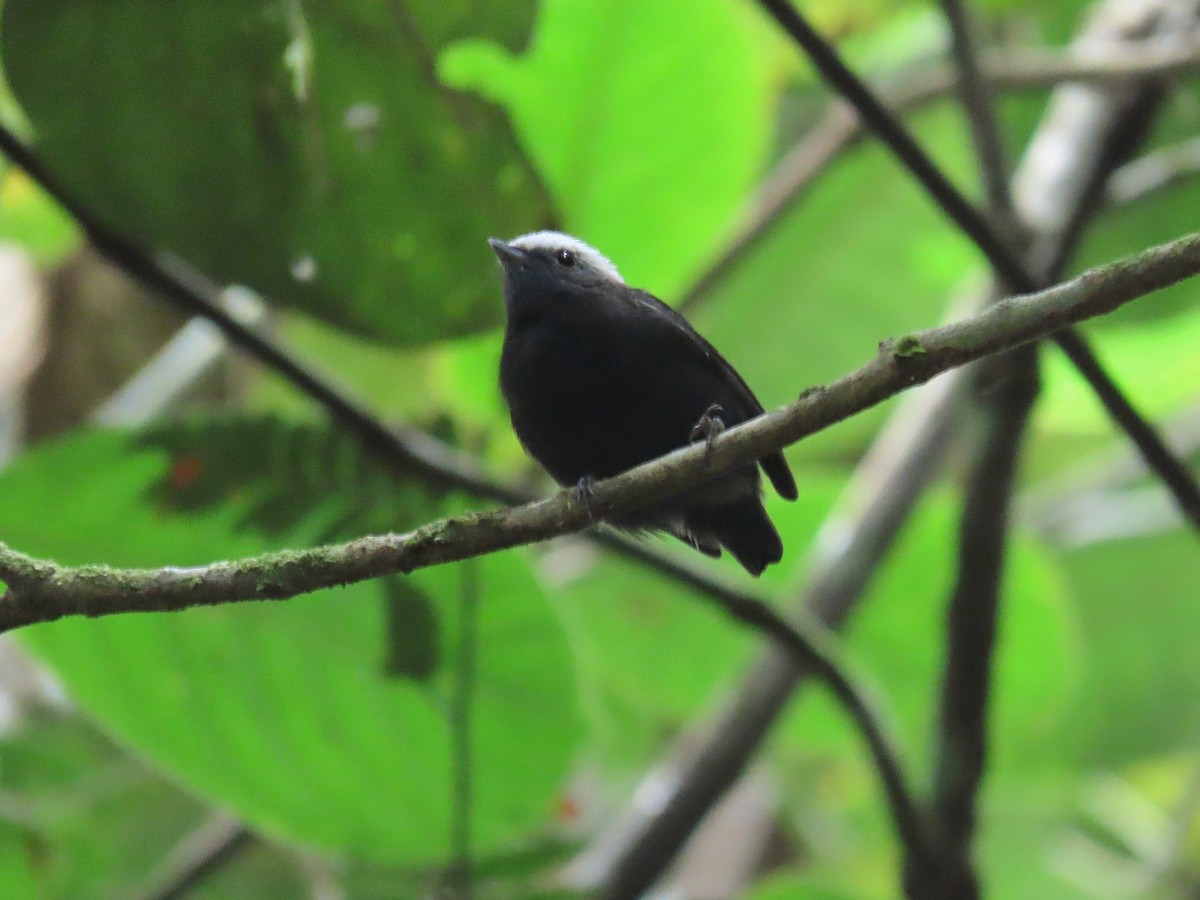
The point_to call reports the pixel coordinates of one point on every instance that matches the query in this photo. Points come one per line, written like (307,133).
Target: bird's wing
(774,465)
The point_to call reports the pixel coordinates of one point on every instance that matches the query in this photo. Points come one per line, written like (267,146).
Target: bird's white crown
(556,240)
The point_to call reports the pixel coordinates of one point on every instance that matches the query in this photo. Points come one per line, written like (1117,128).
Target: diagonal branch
(978,99)
(1173,472)
(1007,387)
(886,486)
(411,450)
(40,591)
(404,449)
(840,129)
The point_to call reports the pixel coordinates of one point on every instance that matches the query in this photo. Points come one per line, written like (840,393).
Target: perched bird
(600,377)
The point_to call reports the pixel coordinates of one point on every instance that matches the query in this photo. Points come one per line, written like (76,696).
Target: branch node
(910,346)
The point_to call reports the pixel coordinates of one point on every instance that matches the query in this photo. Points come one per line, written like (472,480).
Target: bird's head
(550,263)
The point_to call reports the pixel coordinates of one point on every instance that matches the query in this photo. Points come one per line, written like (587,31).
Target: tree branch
(1173,472)
(979,101)
(840,128)
(408,450)
(1003,392)
(1114,122)
(972,616)
(404,449)
(1143,177)
(202,852)
(41,591)
(885,487)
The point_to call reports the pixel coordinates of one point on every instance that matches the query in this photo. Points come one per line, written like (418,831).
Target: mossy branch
(42,591)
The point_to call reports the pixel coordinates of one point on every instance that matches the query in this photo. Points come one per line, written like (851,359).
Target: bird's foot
(708,426)
(583,493)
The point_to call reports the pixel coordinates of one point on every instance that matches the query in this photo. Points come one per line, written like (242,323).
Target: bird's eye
(565,257)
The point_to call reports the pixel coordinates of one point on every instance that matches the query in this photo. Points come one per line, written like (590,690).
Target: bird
(600,377)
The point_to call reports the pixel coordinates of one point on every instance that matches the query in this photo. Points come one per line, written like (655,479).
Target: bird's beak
(506,253)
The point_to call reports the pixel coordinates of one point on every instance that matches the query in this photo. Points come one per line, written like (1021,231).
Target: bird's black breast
(594,389)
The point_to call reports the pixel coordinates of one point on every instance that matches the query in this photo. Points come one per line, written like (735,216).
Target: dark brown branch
(41,591)
(979,101)
(1118,121)
(1004,391)
(1011,386)
(1169,468)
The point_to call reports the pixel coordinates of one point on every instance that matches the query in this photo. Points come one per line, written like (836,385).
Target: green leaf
(651,122)
(896,641)
(1140,694)
(283,711)
(28,217)
(307,150)
(17,881)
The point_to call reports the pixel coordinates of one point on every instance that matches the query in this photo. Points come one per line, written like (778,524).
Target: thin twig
(1173,472)
(979,101)
(40,590)
(197,856)
(1146,176)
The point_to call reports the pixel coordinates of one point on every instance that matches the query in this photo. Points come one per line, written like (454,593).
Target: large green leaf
(308,150)
(1140,611)
(651,121)
(285,712)
(99,820)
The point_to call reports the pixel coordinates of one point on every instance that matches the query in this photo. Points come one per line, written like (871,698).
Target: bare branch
(886,486)
(402,448)
(410,450)
(40,591)
(215,843)
(978,99)
(1173,472)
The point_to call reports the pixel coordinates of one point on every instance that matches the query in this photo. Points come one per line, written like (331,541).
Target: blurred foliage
(288,713)
(314,109)
(348,161)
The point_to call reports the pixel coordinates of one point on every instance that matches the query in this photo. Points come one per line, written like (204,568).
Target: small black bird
(600,377)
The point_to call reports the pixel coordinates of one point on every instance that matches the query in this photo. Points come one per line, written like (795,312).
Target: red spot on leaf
(566,808)
(184,472)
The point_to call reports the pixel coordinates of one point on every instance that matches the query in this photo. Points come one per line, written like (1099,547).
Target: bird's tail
(743,528)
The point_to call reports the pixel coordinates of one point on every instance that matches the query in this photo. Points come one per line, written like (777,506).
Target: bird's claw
(583,493)
(708,426)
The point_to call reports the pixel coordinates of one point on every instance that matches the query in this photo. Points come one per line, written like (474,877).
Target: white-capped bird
(600,377)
